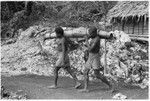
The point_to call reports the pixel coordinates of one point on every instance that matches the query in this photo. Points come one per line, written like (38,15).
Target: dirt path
(36,88)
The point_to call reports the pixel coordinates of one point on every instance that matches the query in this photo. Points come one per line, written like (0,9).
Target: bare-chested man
(63,60)
(93,61)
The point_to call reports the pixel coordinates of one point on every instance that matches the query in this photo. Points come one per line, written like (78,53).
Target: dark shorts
(93,61)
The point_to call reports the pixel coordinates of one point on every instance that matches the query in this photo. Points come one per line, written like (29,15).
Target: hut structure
(130,16)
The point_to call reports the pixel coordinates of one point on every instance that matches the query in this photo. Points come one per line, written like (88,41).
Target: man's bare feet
(52,87)
(78,84)
(84,90)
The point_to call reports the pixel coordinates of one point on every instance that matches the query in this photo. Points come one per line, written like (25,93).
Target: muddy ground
(36,88)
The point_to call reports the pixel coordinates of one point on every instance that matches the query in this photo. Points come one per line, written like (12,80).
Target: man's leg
(56,69)
(101,77)
(77,83)
(86,81)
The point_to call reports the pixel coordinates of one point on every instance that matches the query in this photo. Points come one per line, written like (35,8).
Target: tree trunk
(79,33)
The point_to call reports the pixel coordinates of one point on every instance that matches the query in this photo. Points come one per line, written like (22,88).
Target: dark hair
(93,31)
(59,30)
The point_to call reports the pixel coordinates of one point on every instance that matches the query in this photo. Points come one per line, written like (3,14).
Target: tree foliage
(65,13)
(9,8)
(74,10)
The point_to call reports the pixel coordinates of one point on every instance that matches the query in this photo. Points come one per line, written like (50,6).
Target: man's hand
(87,37)
(86,40)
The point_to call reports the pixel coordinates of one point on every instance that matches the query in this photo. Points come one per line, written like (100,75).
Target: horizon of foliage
(68,10)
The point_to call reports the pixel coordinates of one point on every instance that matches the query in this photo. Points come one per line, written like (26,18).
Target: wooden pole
(123,23)
(139,39)
(138,27)
(105,52)
(133,26)
(118,26)
(128,27)
(140,36)
(105,60)
(143,25)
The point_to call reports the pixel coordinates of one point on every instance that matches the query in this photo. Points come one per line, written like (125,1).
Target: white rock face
(23,54)
(32,55)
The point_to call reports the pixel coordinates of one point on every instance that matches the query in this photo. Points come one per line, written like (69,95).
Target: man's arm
(93,45)
(86,41)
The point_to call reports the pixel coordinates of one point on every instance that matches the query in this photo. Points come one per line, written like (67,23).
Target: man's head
(92,32)
(59,32)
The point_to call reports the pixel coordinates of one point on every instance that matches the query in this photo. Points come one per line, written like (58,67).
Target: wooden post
(105,60)
(133,26)
(105,68)
(28,7)
(138,27)
(128,28)
(118,25)
(123,22)
(143,25)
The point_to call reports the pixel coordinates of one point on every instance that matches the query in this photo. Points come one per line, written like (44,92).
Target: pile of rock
(125,59)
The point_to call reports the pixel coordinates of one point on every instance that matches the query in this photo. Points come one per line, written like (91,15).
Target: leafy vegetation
(21,15)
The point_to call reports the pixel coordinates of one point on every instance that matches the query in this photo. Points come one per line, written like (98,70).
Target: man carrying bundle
(93,61)
(63,60)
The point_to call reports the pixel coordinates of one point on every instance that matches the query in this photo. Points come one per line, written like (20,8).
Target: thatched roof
(125,9)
